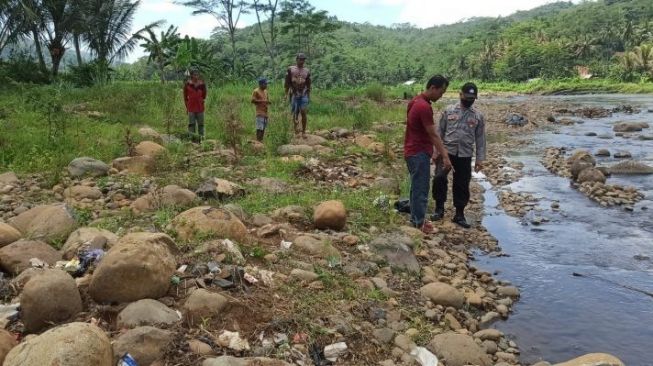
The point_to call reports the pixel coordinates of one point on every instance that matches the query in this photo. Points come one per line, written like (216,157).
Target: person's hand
(478,166)
(447,163)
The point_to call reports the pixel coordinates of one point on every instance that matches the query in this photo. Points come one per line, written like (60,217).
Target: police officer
(461,127)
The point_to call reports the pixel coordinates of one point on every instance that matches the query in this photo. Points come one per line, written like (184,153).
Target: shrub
(376,92)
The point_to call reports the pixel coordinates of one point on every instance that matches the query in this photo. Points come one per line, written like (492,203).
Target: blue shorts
(261,123)
(298,103)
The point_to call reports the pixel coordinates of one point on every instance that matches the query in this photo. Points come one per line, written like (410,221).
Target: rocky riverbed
(119,258)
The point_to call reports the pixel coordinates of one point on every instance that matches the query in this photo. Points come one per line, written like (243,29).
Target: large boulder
(458,350)
(330,215)
(270,185)
(443,294)
(9,178)
(578,166)
(7,343)
(15,257)
(171,195)
(150,133)
(220,189)
(87,238)
(86,166)
(74,344)
(396,249)
(139,266)
(143,165)
(8,234)
(51,223)
(144,344)
(50,297)
(82,192)
(288,150)
(146,312)
(593,359)
(310,140)
(591,175)
(248,361)
(628,167)
(149,148)
(207,221)
(629,126)
(203,304)
(315,247)
(581,155)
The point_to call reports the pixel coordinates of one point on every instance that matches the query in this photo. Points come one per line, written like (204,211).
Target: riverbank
(369,292)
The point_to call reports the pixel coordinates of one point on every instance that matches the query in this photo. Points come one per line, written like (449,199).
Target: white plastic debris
(285,245)
(233,341)
(8,313)
(251,279)
(424,357)
(333,351)
(182,268)
(37,263)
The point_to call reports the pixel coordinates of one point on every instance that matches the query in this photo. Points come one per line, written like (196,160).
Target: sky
(422,13)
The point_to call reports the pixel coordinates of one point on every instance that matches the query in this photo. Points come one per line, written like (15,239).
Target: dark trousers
(462,175)
(419,167)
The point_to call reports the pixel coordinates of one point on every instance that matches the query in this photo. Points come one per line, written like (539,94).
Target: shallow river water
(561,316)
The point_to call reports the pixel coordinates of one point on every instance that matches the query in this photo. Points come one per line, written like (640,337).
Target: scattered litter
(37,263)
(213,267)
(8,313)
(233,341)
(285,245)
(382,202)
(88,258)
(403,205)
(333,351)
(424,357)
(299,338)
(251,279)
(515,119)
(280,338)
(127,360)
(267,277)
(317,355)
(175,280)
(182,268)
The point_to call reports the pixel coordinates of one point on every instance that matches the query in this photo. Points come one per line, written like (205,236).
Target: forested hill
(545,42)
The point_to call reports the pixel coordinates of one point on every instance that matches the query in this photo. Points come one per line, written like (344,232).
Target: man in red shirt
(194,96)
(420,139)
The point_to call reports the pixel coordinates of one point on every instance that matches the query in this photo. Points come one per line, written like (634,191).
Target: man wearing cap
(261,101)
(420,140)
(298,89)
(461,127)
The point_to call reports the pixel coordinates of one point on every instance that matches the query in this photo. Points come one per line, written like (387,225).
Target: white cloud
(198,26)
(161,6)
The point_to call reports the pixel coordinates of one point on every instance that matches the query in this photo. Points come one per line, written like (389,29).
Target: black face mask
(467,103)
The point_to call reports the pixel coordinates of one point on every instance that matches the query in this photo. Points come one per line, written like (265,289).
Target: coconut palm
(108,34)
(162,49)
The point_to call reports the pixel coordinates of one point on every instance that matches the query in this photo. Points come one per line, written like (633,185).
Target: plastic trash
(175,280)
(285,245)
(382,202)
(251,279)
(37,263)
(127,360)
(333,351)
(424,357)
(8,313)
(213,267)
(182,268)
(72,265)
(403,205)
(233,341)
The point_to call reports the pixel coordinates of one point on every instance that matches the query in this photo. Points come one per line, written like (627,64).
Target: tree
(269,11)
(162,49)
(109,23)
(7,23)
(643,57)
(226,12)
(305,24)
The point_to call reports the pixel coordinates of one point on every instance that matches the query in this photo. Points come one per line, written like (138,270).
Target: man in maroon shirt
(194,96)
(419,142)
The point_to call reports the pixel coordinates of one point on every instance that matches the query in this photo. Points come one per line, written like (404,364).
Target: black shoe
(438,215)
(460,220)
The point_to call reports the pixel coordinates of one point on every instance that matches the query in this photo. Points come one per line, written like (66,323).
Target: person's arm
(286,84)
(308,85)
(442,127)
(426,118)
(255,99)
(185,96)
(480,144)
(203,89)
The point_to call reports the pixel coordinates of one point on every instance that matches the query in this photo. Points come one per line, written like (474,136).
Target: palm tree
(643,57)
(54,18)
(162,50)
(109,24)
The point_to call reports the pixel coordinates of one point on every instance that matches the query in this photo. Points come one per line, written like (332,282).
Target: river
(561,316)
